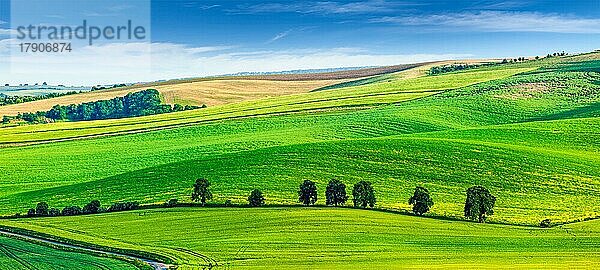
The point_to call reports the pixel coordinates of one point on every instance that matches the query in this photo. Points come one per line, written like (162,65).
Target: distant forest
(141,103)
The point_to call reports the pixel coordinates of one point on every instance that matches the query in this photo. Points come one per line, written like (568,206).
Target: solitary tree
(421,201)
(201,192)
(479,204)
(92,208)
(336,193)
(363,195)
(256,198)
(41,209)
(307,194)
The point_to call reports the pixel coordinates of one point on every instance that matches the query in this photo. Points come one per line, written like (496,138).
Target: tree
(307,194)
(41,209)
(256,198)
(421,201)
(31,212)
(53,212)
(201,192)
(363,195)
(178,107)
(92,208)
(336,193)
(71,211)
(479,204)
(123,206)
(57,112)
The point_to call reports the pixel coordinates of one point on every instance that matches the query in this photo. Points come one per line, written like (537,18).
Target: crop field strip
(210,92)
(17,254)
(322,238)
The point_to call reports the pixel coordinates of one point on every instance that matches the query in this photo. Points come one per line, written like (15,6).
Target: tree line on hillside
(9,100)
(134,104)
(456,67)
(42,209)
(479,203)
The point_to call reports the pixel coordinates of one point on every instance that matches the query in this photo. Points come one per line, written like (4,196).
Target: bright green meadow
(326,238)
(529,132)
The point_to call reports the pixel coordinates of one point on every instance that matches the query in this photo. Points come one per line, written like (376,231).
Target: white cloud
(134,62)
(326,7)
(7,32)
(501,21)
(279,36)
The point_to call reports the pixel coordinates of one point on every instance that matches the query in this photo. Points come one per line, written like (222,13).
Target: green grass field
(360,96)
(20,255)
(529,132)
(326,238)
(394,146)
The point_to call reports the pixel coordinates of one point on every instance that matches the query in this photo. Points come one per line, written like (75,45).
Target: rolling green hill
(328,238)
(365,96)
(394,146)
(529,132)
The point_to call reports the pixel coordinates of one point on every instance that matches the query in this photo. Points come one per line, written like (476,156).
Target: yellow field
(209,92)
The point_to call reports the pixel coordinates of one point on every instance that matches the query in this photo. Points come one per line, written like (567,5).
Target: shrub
(124,206)
(71,211)
(171,203)
(546,223)
(53,212)
(92,208)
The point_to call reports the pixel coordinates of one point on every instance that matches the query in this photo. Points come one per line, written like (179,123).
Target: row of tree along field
(9,100)
(42,209)
(478,205)
(134,104)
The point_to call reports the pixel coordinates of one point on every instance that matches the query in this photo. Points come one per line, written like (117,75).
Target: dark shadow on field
(591,110)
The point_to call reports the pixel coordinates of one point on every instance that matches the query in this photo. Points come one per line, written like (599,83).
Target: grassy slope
(21,255)
(160,165)
(325,238)
(360,96)
(532,182)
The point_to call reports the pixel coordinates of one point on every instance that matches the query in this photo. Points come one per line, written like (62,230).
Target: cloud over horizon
(134,62)
(325,7)
(499,21)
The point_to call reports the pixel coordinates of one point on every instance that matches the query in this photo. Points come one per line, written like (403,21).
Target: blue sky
(471,27)
(196,38)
